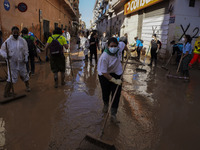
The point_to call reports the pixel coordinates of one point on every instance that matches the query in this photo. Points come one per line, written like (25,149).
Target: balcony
(117,4)
(67,5)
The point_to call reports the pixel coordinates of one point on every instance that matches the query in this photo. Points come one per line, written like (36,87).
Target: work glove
(47,58)
(116,81)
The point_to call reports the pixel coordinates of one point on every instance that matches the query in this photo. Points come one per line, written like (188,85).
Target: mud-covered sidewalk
(155,112)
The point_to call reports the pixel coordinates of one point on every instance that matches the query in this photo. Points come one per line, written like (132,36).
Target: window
(55,25)
(192,3)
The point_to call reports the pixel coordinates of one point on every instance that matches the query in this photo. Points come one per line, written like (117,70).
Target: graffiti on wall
(194,34)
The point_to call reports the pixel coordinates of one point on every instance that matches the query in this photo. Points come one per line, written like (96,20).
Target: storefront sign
(135,5)
(22,7)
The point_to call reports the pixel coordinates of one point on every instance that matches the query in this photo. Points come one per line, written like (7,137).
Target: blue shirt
(187,48)
(180,46)
(139,43)
(117,38)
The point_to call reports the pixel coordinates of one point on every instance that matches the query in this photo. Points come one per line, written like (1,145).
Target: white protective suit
(84,44)
(18,53)
(67,37)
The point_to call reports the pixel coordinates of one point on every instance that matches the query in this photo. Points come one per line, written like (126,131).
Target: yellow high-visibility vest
(197,46)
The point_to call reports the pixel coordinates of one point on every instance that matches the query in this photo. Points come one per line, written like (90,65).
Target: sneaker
(114,119)
(105,109)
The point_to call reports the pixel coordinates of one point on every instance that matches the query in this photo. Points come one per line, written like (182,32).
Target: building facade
(169,19)
(41,16)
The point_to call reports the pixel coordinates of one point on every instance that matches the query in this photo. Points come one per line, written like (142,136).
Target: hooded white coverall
(67,37)
(18,56)
(84,44)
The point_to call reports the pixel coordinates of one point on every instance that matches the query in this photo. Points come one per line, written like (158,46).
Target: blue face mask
(113,50)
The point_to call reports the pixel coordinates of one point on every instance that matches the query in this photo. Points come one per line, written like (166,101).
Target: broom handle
(179,63)
(71,64)
(168,60)
(9,68)
(107,115)
(146,55)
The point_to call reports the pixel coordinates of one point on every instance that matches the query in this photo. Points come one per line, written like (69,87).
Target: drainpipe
(110,24)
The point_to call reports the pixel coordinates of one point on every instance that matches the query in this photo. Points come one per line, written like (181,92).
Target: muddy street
(156,113)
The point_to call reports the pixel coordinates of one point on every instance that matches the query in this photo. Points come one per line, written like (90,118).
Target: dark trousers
(139,51)
(184,65)
(93,52)
(108,88)
(153,56)
(31,60)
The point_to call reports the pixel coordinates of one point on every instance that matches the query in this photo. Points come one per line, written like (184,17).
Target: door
(46,29)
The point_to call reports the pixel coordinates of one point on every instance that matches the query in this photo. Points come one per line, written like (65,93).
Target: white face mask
(183,39)
(113,50)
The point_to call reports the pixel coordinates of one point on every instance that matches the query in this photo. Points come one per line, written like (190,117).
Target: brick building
(42,16)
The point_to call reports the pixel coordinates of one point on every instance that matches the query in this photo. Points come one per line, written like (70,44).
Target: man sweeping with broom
(15,50)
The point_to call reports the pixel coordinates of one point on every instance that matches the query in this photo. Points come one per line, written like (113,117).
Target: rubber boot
(105,108)
(155,63)
(150,63)
(56,80)
(86,57)
(113,116)
(7,89)
(28,89)
(62,78)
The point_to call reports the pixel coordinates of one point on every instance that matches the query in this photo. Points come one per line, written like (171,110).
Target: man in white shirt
(18,57)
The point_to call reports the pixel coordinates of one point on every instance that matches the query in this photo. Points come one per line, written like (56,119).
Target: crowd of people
(21,50)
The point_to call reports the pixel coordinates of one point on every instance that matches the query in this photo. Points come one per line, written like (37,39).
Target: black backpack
(31,46)
(55,47)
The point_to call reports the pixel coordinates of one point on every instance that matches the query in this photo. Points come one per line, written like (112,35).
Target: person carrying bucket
(17,49)
(109,72)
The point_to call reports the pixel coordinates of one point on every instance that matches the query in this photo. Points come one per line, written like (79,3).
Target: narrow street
(155,112)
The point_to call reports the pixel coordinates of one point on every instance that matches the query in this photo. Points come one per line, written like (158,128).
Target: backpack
(31,46)
(55,47)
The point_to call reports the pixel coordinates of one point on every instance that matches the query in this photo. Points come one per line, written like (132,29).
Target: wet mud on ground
(156,113)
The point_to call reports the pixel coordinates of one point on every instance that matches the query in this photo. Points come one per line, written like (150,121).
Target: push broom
(98,141)
(13,97)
